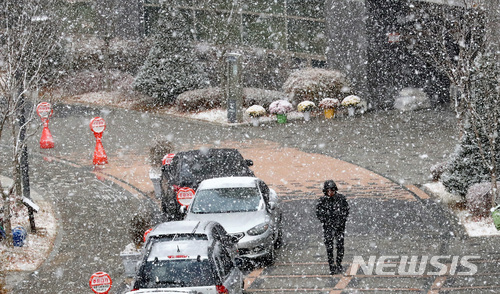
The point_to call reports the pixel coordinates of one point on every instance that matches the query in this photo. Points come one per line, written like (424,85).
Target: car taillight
(221,289)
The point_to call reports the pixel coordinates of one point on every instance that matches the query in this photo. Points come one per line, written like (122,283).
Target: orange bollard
(45,111)
(97,126)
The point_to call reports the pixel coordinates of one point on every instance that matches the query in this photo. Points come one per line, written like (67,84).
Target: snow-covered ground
(38,246)
(483,227)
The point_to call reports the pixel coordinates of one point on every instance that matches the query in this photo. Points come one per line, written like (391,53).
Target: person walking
(332,211)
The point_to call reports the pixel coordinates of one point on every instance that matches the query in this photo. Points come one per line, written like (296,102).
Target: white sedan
(247,208)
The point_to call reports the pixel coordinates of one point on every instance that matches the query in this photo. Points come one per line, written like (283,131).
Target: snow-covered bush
(159,149)
(139,224)
(209,98)
(280,107)
(256,111)
(306,106)
(199,100)
(466,167)
(329,103)
(314,84)
(263,97)
(351,101)
(478,199)
(171,67)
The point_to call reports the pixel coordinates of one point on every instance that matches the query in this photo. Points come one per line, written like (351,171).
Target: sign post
(97,126)
(234,89)
(100,283)
(44,110)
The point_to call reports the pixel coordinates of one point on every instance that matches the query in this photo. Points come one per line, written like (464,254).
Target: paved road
(387,219)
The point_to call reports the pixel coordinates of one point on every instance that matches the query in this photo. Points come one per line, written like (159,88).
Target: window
(226,200)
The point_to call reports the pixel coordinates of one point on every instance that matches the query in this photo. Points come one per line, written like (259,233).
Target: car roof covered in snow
(179,250)
(182,227)
(228,182)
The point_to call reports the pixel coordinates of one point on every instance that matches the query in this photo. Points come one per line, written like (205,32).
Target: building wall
(348,41)
(366,41)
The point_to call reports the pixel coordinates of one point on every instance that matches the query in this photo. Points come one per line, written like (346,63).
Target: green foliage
(171,67)
(465,167)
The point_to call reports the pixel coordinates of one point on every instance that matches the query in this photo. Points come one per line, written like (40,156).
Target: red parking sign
(100,283)
(185,196)
(167,159)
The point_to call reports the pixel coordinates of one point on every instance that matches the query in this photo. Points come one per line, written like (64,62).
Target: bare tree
(449,38)
(29,39)
(462,42)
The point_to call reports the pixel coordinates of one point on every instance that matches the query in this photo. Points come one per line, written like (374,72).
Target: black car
(189,168)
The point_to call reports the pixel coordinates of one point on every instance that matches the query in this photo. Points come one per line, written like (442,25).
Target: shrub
(478,199)
(437,170)
(280,107)
(199,100)
(314,84)
(89,81)
(158,151)
(210,98)
(466,167)
(139,224)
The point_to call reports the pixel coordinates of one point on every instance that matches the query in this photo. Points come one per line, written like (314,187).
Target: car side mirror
(272,205)
(249,162)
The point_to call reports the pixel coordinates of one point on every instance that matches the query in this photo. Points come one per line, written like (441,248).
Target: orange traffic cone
(46,141)
(99,153)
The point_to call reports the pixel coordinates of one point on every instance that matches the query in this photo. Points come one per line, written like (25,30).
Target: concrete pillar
(234,89)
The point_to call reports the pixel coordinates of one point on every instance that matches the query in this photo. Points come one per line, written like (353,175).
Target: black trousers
(334,236)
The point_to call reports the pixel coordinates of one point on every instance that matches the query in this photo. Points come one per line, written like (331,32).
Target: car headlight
(258,229)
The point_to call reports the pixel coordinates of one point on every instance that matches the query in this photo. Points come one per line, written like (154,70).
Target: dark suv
(189,168)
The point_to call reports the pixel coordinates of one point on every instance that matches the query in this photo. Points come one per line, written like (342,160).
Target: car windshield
(226,200)
(176,274)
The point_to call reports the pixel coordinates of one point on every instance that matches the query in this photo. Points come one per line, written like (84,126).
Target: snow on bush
(211,98)
(263,97)
(255,111)
(329,103)
(314,84)
(478,199)
(199,100)
(306,106)
(351,100)
(280,107)
(466,166)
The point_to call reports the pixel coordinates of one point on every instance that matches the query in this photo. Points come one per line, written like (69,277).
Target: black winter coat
(333,211)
